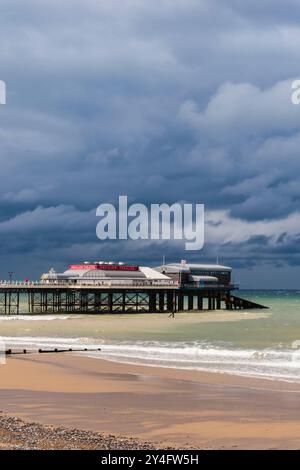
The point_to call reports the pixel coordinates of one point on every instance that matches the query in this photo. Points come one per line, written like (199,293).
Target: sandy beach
(165,407)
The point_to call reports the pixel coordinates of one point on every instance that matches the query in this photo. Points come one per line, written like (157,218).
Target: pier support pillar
(228,302)
(199,302)
(170,301)
(110,302)
(190,302)
(219,301)
(161,301)
(180,301)
(124,302)
(152,302)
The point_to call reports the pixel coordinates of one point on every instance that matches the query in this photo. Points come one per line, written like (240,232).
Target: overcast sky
(163,101)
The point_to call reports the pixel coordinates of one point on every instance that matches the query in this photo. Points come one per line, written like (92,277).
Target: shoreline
(164,407)
(232,375)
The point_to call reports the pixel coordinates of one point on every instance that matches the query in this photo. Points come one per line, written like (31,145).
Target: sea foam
(283,364)
(33,317)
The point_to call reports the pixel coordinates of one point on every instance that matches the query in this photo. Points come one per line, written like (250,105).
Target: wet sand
(167,407)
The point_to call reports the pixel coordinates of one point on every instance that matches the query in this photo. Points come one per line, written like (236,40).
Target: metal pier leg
(33,302)
(45,302)
(123,302)
(97,302)
(29,301)
(18,303)
(190,302)
(213,301)
(170,296)
(110,302)
(152,301)
(219,301)
(161,301)
(200,302)
(228,302)
(180,301)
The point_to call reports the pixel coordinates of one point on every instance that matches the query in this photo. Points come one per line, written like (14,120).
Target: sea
(252,343)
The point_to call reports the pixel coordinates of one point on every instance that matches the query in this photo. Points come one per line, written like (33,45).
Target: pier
(25,298)
(109,287)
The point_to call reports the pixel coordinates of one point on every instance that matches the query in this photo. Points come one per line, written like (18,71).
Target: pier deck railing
(215,286)
(89,285)
(113,284)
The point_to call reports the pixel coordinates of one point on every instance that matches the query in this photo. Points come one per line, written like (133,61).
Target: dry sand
(167,407)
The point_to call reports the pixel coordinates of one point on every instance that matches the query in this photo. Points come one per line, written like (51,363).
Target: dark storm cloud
(162,101)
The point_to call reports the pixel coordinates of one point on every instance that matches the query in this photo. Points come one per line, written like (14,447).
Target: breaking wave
(280,364)
(33,317)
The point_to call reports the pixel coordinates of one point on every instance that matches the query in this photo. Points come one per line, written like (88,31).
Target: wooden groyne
(11,352)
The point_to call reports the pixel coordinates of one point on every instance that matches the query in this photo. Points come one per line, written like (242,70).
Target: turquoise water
(256,343)
(279,329)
